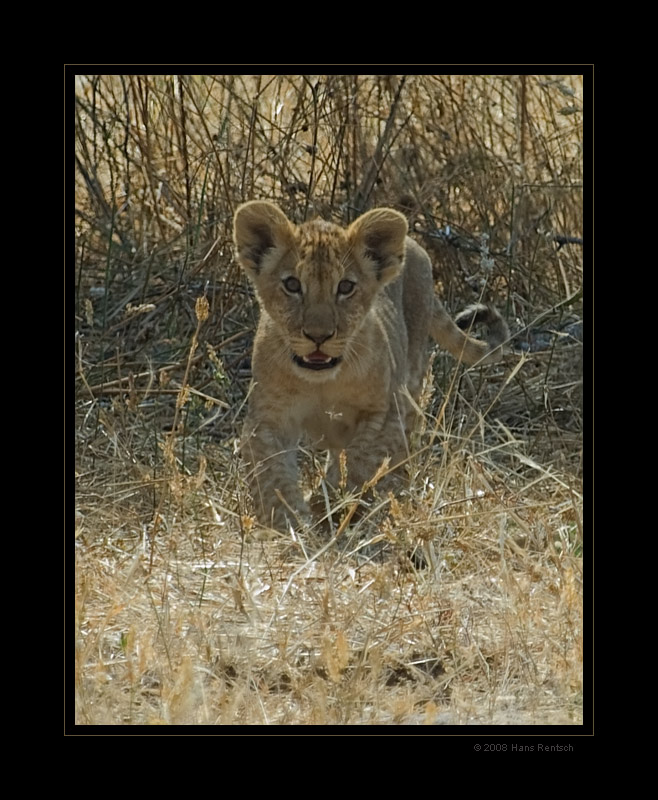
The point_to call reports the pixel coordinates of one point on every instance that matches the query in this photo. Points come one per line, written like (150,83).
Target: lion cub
(345,315)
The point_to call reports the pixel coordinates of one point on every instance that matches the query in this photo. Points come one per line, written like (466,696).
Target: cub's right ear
(379,236)
(259,227)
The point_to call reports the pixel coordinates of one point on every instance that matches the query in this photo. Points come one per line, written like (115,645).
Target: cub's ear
(259,227)
(379,236)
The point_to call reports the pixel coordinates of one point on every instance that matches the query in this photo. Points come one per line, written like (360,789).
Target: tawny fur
(345,319)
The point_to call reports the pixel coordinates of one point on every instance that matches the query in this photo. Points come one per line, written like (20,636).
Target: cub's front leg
(270,455)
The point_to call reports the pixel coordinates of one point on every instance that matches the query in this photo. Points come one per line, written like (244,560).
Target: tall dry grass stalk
(458,601)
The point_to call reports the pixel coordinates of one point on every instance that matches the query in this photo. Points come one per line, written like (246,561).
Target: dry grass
(460,601)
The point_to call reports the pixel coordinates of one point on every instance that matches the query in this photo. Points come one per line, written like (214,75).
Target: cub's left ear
(260,231)
(379,237)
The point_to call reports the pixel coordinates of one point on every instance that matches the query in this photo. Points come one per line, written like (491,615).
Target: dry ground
(458,602)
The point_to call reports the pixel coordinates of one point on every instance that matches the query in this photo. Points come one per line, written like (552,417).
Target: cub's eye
(346,287)
(292,285)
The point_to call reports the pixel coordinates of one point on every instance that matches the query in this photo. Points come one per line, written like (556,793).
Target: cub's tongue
(317,357)
(316,360)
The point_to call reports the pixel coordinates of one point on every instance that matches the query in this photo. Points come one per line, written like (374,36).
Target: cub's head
(317,281)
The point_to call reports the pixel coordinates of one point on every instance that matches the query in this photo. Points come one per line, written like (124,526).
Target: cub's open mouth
(316,360)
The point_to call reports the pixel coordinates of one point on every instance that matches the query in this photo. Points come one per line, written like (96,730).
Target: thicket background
(186,612)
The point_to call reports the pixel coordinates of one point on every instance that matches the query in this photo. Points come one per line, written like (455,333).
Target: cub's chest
(330,422)
(329,427)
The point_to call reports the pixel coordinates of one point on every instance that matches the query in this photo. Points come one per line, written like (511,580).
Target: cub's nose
(318,336)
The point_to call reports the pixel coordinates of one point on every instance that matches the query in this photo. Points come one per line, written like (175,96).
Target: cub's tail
(450,334)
